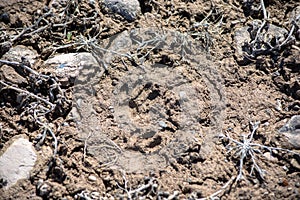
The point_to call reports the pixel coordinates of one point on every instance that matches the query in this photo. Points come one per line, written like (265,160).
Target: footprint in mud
(154,105)
(162,108)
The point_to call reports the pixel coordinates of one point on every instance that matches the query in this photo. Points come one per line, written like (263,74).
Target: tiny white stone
(162,124)
(17,161)
(92,178)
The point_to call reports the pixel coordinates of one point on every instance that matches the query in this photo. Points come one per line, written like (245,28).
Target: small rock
(67,67)
(276,32)
(92,178)
(5,18)
(4,47)
(129,9)
(9,74)
(285,168)
(295,164)
(17,161)
(162,124)
(292,131)
(269,156)
(15,54)
(183,96)
(241,36)
(43,189)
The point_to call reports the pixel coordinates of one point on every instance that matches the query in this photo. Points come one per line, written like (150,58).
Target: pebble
(43,190)
(128,9)
(292,131)
(72,67)
(162,124)
(5,18)
(183,96)
(285,168)
(15,54)
(17,161)
(269,156)
(242,36)
(92,178)
(295,164)
(4,47)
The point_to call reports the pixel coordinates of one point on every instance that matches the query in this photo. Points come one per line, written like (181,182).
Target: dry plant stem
(263,23)
(214,195)
(85,146)
(38,109)
(38,30)
(30,70)
(134,193)
(296,47)
(49,130)
(45,127)
(288,37)
(246,148)
(141,188)
(31,27)
(52,106)
(125,188)
(277,46)
(17,64)
(38,114)
(264,9)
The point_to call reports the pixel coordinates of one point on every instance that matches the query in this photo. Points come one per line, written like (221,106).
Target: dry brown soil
(265,89)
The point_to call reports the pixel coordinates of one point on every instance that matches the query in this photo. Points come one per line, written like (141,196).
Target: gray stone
(242,36)
(162,124)
(43,189)
(15,54)
(295,163)
(4,47)
(129,9)
(292,131)
(276,32)
(92,178)
(17,162)
(68,66)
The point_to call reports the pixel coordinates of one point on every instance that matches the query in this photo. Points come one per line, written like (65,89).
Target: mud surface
(156,117)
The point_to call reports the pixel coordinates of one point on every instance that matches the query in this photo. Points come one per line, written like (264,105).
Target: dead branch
(7,86)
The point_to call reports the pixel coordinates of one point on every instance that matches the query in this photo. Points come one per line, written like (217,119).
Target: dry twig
(38,106)
(246,149)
